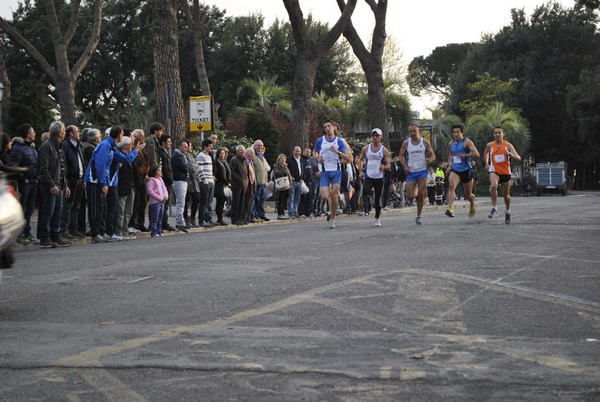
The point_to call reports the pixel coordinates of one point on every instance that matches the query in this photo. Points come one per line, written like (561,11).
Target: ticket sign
(425,132)
(201,113)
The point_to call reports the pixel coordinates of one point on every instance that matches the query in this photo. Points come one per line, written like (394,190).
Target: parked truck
(551,177)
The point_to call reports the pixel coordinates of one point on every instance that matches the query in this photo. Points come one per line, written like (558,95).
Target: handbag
(282,183)
(304,189)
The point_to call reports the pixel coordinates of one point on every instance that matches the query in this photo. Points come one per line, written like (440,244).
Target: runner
(417,149)
(498,155)
(377,158)
(331,152)
(462,150)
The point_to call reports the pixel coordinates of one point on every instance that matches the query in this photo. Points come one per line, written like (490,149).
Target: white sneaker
(331,224)
(386,208)
(116,237)
(377,222)
(132,231)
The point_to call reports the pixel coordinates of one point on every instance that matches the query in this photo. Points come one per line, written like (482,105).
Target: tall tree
(165,43)
(63,75)
(433,74)
(194,19)
(480,127)
(309,55)
(372,63)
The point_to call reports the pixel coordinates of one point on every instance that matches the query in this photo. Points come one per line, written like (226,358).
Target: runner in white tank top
(377,158)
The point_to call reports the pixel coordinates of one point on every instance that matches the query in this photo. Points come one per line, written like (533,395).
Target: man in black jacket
(52,184)
(75,169)
(296,165)
(181,172)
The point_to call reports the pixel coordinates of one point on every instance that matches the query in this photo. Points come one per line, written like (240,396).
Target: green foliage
(264,93)
(29,103)
(259,126)
(583,105)
(486,91)
(480,128)
(432,74)
(546,53)
(441,131)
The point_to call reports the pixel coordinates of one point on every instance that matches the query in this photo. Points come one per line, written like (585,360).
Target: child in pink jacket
(157,196)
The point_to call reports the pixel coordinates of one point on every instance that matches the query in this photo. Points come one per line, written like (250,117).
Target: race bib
(499,158)
(456,159)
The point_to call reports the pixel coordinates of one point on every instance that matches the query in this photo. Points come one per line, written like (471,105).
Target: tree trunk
(165,43)
(309,55)
(304,79)
(372,63)
(194,19)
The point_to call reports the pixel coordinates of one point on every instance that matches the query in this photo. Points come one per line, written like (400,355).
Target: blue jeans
(28,193)
(49,215)
(294,199)
(180,188)
(258,209)
(156,214)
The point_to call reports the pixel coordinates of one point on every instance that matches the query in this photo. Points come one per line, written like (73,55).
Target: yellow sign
(425,132)
(201,113)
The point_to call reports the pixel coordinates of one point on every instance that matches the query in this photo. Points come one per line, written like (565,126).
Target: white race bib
(456,159)
(499,158)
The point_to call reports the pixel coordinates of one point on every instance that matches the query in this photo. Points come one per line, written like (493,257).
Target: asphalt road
(456,309)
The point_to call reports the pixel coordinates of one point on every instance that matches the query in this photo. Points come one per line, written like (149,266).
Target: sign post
(201,116)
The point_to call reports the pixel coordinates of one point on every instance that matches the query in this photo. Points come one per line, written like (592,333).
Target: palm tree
(264,94)
(332,108)
(441,130)
(480,127)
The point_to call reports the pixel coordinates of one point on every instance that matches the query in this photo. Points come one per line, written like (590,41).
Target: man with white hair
(261,170)
(52,187)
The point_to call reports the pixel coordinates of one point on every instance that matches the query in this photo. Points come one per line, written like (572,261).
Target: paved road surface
(455,309)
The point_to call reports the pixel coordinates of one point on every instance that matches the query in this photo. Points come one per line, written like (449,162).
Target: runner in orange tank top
(497,157)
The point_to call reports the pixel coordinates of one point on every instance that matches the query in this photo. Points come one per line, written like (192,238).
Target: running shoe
(450,212)
(331,224)
(98,239)
(507,217)
(418,220)
(493,213)
(378,222)
(473,209)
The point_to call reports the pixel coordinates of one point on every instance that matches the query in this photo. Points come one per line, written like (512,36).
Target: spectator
(167,175)
(90,138)
(97,177)
(23,154)
(125,191)
(75,164)
(239,182)
(192,198)
(307,177)
(52,188)
(157,196)
(181,169)
(206,181)
(152,145)
(296,167)
(280,169)
(261,169)
(431,185)
(250,188)
(140,176)
(222,182)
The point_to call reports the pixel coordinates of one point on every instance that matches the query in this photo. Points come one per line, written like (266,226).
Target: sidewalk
(270,213)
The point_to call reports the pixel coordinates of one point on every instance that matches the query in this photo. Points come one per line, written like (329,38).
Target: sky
(416,26)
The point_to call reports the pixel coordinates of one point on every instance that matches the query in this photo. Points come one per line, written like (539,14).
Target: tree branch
(29,48)
(75,7)
(92,43)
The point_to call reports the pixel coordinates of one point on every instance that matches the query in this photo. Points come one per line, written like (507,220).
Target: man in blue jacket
(98,178)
